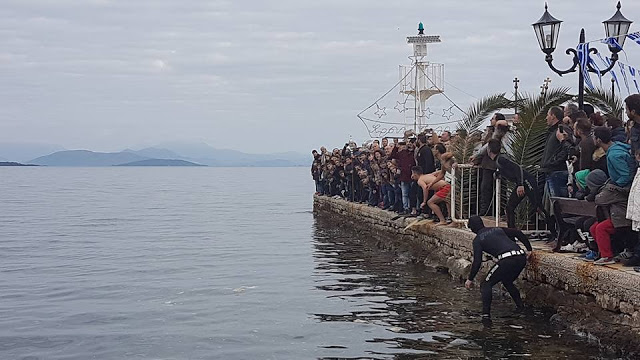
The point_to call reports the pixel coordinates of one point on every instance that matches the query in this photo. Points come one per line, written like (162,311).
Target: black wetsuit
(513,172)
(498,241)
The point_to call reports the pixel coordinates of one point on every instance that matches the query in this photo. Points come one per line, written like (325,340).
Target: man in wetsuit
(500,243)
(526,184)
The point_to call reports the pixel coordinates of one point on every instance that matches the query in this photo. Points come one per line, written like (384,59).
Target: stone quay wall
(601,303)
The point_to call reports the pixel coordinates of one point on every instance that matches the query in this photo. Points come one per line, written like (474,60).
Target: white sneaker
(568,248)
(625,255)
(580,247)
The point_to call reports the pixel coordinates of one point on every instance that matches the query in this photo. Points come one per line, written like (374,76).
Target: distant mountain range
(167,154)
(160,162)
(12,163)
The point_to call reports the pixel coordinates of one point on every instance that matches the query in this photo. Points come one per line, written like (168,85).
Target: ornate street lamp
(547,30)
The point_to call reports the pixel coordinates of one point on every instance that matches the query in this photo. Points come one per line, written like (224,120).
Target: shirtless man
(447,162)
(426,182)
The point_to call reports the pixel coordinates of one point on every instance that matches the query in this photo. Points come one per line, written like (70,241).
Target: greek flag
(624,76)
(607,63)
(635,37)
(632,70)
(583,59)
(597,68)
(613,43)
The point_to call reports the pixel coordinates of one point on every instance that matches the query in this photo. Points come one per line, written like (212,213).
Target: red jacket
(406,161)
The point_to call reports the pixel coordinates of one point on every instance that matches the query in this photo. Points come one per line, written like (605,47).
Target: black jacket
(511,171)
(634,136)
(551,147)
(425,160)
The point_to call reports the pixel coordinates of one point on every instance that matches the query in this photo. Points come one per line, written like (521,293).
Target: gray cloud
(254,75)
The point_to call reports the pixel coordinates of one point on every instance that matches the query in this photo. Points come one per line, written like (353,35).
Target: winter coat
(633,206)
(634,137)
(586,148)
(405,162)
(425,160)
(557,160)
(613,200)
(618,134)
(551,147)
(620,164)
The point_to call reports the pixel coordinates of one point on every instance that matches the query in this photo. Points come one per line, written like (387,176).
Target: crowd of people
(587,156)
(408,175)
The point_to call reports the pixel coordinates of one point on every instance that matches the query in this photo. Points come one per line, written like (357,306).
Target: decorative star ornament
(427,113)
(447,113)
(401,106)
(381,111)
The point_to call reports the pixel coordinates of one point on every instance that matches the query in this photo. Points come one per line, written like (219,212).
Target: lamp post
(547,30)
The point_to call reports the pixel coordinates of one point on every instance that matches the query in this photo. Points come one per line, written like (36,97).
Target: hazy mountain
(11,163)
(86,158)
(198,153)
(155,153)
(23,152)
(203,153)
(160,162)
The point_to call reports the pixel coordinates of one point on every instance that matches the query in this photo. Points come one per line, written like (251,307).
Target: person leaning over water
(500,243)
(525,184)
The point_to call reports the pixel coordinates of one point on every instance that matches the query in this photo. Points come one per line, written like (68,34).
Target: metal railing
(465,197)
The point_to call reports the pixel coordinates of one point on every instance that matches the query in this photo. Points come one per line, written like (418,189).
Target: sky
(258,76)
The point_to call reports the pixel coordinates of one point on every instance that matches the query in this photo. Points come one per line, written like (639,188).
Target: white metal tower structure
(426,78)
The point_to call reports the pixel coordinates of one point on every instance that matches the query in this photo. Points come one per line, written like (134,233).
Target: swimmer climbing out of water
(511,260)
(447,162)
(426,182)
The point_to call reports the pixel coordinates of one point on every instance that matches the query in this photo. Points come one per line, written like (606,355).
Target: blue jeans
(388,195)
(397,193)
(557,183)
(405,186)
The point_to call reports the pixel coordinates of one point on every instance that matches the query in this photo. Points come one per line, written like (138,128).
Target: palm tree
(525,145)
(604,100)
(468,128)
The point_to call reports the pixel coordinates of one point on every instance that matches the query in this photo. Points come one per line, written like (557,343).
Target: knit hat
(581,178)
(595,180)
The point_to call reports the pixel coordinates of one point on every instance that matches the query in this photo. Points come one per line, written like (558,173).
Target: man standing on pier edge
(500,243)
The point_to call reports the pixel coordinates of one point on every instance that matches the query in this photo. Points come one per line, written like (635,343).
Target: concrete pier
(601,302)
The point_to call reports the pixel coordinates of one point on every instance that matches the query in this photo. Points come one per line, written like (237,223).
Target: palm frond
(604,100)
(526,144)
(474,117)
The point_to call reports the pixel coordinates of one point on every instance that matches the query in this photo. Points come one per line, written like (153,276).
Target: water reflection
(403,310)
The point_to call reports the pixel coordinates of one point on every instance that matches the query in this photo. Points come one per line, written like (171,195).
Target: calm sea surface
(218,263)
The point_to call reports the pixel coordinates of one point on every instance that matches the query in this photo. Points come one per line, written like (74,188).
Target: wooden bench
(577,207)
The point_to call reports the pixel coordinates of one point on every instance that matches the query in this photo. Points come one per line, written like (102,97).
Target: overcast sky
(259,76)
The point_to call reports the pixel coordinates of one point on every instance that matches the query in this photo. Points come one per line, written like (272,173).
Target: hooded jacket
(613,199)
(620,164)
(618,134)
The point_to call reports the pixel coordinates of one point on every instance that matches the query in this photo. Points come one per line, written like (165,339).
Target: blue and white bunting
(607,63)
(635,37)
(632,70)
(624,76)
(597,68)
(583,60)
